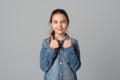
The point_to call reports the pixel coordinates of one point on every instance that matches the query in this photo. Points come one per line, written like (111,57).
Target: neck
(60,36)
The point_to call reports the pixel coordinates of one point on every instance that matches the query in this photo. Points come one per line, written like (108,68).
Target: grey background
(24,24)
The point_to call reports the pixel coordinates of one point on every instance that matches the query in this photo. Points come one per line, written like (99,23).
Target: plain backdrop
(94,23)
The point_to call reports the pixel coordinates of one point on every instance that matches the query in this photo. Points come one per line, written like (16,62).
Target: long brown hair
(56,11)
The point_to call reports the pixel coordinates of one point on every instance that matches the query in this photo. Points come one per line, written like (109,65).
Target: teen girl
(60,53)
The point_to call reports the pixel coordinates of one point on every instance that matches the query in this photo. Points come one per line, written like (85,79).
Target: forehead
(59,17)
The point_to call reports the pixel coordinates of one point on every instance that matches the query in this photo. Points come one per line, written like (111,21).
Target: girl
(60,54)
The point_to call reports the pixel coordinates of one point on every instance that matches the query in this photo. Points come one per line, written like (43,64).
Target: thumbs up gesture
(54,43)
(67,43)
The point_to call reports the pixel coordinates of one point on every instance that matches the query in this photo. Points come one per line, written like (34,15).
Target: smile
(59,29)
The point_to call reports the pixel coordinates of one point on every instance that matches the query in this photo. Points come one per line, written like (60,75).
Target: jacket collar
(65,38)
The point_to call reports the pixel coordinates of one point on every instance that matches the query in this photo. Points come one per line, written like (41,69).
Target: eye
(55,22)
(64,21)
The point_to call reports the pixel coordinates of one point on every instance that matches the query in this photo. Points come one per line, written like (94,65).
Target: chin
(60,32)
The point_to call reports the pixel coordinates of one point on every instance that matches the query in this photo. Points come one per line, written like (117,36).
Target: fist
(53,43)
(67,43)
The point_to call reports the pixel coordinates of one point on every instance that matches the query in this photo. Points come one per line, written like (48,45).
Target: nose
(60,24)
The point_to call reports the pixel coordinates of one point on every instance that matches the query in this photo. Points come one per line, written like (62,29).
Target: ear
(50,23)
(51,29)
(68,23)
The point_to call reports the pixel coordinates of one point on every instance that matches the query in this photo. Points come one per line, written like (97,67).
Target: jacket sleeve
(73,56)
(47,55)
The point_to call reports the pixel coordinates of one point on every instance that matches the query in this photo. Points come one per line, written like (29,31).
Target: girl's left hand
(67,43)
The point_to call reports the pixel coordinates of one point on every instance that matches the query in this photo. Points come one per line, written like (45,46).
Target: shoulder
(74,41)
(45,41)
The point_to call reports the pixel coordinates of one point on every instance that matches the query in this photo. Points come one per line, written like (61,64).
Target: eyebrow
(61,20)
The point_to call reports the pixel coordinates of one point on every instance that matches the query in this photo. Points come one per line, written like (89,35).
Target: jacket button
(60,74)
(60,63)
(60,52)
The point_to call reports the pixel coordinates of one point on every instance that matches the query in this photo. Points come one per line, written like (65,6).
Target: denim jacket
(61,63)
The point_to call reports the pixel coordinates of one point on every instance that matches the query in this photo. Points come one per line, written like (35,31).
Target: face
(59,23)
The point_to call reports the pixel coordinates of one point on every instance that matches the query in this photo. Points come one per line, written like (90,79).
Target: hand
(53,43)
(67,43)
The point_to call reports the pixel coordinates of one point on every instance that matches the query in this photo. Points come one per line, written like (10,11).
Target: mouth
(59,29)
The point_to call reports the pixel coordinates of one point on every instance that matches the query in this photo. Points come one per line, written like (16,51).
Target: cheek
(53,26)
(65,26)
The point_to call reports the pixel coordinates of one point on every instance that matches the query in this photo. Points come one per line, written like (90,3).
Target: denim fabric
(61,63)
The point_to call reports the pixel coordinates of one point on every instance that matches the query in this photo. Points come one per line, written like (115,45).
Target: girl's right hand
(54,43)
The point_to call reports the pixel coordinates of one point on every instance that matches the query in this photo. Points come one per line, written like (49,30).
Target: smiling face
(59,23)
